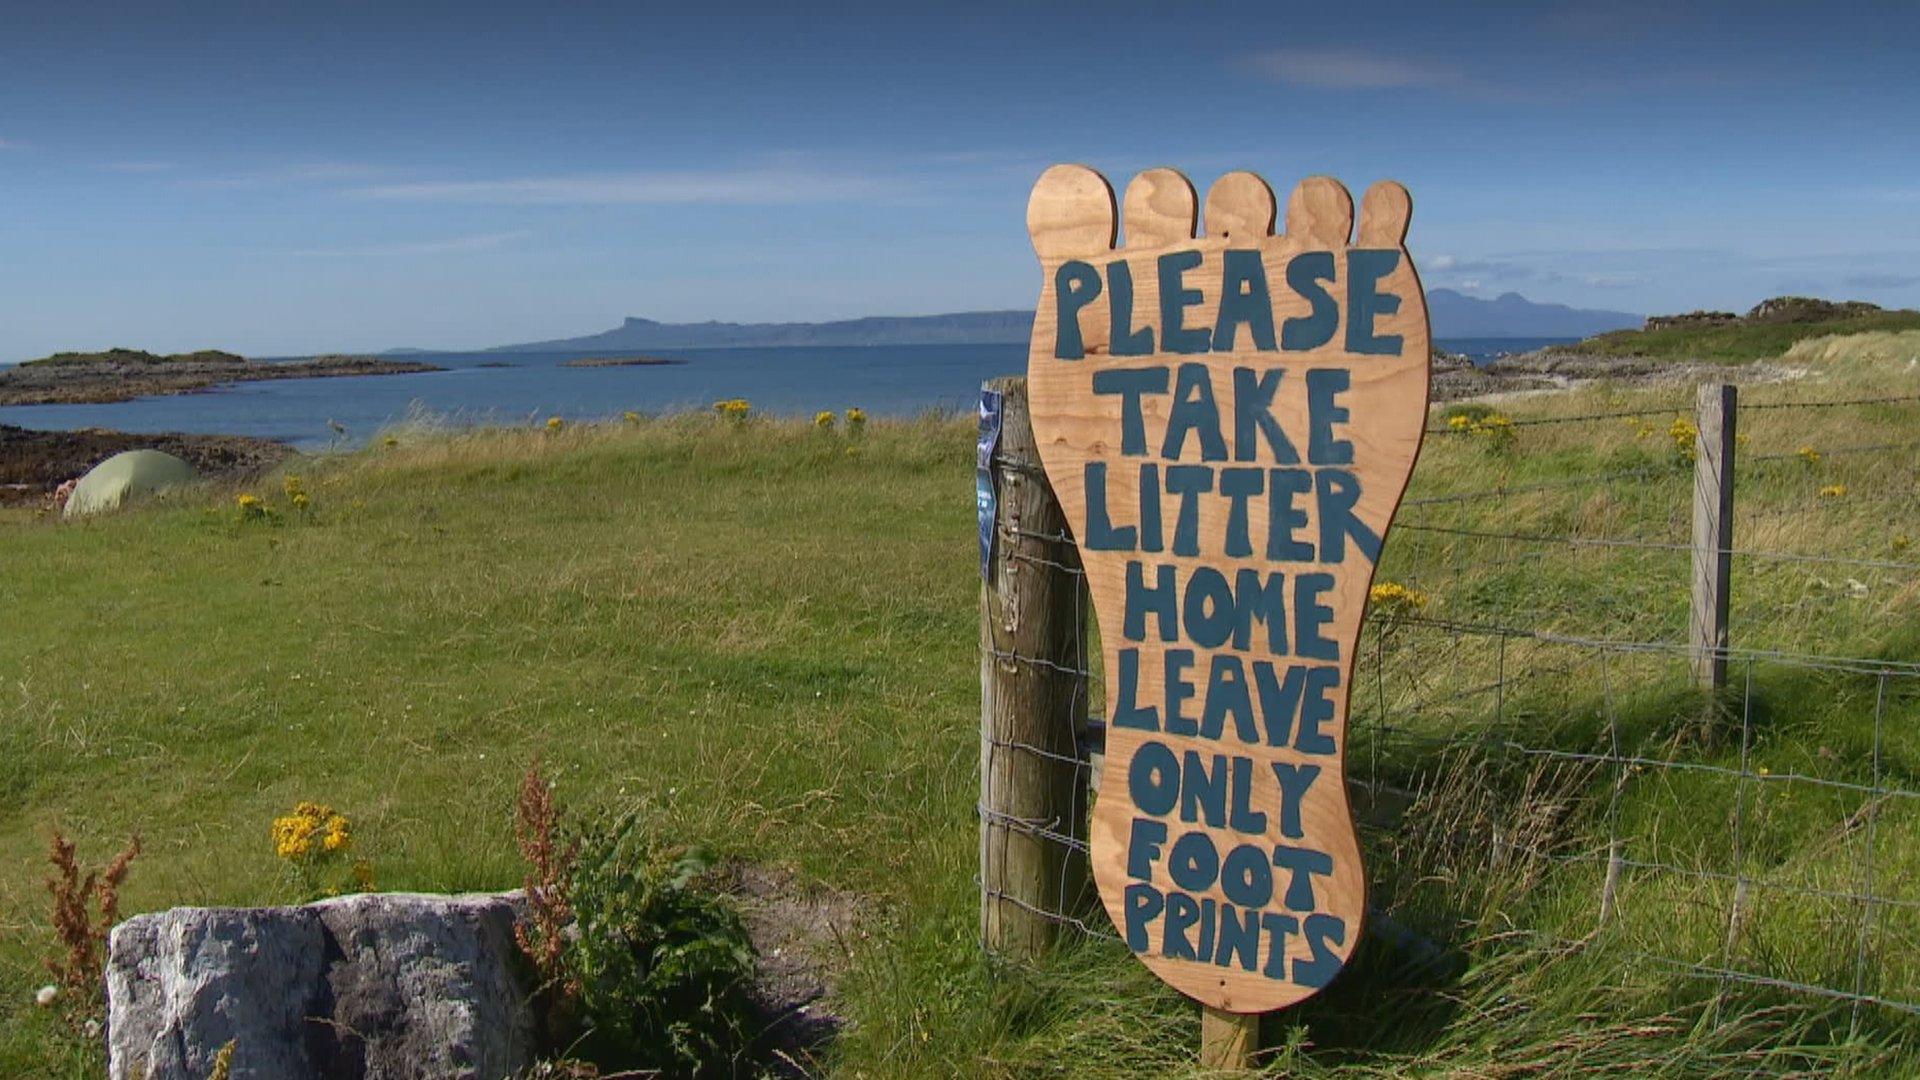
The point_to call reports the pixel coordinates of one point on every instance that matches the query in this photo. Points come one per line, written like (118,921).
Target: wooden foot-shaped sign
(1229,421)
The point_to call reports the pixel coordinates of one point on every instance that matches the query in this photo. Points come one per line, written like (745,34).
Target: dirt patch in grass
(804,936)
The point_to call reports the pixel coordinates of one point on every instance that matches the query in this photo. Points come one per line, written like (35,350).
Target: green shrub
(661,960)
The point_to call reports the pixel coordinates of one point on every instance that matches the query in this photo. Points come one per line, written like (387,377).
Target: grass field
(766,634)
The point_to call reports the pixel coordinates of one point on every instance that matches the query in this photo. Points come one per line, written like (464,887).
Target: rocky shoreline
(34,463)
(1456,377)
(125,374)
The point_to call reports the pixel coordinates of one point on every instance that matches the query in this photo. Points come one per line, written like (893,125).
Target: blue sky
(279,179)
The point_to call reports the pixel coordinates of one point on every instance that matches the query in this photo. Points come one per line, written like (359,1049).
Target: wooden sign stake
(1228,416)
(1228,1040)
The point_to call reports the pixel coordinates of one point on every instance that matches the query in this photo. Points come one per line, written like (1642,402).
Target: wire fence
(1762,837)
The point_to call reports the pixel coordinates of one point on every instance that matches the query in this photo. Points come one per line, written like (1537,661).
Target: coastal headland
(99,378)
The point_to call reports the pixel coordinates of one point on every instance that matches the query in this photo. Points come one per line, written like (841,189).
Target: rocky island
(619,361)
(124,374)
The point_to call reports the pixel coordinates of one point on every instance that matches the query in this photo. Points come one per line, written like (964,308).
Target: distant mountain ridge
(959,328)
(1455,315)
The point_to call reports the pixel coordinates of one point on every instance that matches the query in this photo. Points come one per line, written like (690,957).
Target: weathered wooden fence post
(1712,532)
(1032,695)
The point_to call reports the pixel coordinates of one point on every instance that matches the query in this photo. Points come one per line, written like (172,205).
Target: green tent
(126,476)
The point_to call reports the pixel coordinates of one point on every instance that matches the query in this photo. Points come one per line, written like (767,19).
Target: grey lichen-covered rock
(382,985)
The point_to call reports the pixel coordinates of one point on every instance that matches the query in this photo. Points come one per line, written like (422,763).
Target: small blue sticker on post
(984,498)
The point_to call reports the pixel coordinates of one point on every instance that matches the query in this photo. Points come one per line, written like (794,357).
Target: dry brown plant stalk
(536,829)
(82,933)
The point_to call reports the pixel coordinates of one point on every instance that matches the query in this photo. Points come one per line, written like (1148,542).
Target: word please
(1245,302)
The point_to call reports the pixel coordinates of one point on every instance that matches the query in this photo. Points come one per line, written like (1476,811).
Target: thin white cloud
(317,172)
(1493,268)
(447,246)
(734,187)
(1353,69)
(1473,273)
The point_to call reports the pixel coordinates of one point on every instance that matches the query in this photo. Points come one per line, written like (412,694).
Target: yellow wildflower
(292,839)
(1496,428)
(856,418)
(631,417)
(1833,491)
(554,423)
(1684,435)
(1459,421)
(313,829)
(248,501)
(733,408)
(1393,598)
(1809,455)
(824,420)
(1902,542)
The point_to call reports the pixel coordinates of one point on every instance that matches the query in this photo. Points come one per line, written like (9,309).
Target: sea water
(521,388)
